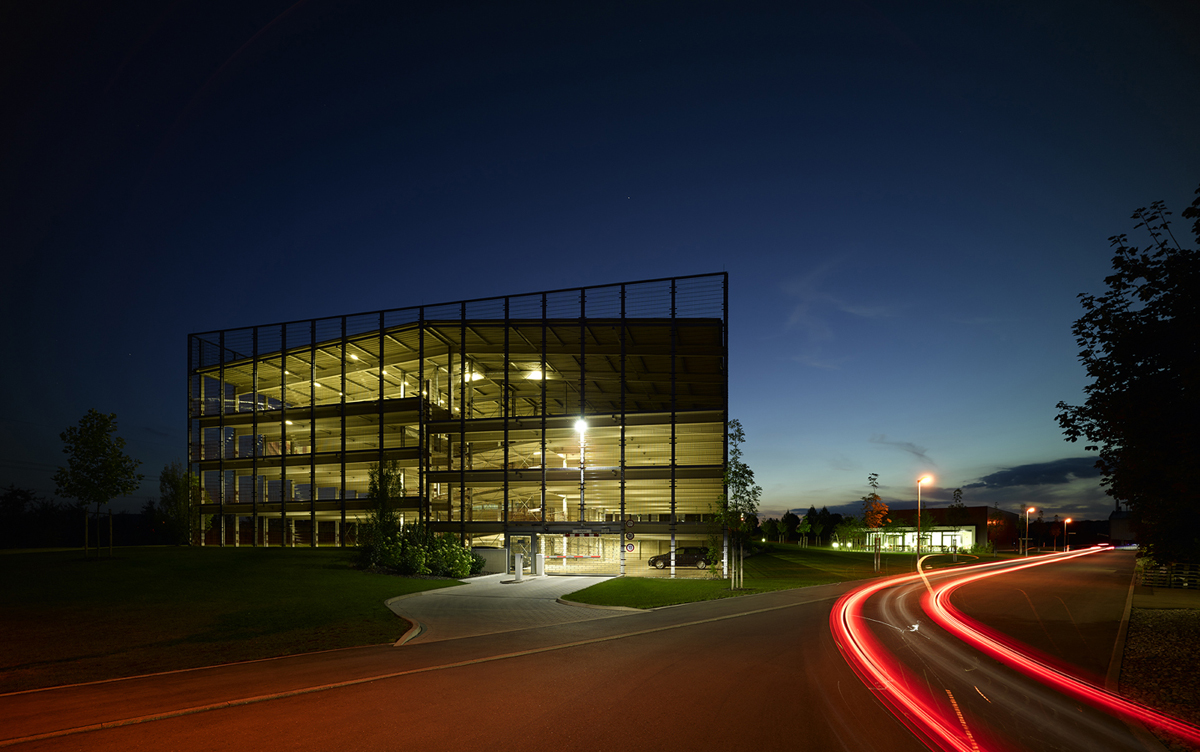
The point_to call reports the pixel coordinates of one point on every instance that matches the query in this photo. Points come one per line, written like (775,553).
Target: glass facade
(585,425)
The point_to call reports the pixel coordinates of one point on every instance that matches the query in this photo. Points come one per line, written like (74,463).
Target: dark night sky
(907,196)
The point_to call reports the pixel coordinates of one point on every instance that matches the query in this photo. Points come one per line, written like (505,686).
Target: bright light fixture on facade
(534,375)
(288,422)
(581,426)
(353,356)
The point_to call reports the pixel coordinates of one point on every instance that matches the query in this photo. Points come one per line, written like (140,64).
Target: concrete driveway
(495,603)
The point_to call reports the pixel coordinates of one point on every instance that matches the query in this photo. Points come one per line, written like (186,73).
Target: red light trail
(938,721)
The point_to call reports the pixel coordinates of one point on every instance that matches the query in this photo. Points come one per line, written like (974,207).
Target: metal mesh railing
(1172,576)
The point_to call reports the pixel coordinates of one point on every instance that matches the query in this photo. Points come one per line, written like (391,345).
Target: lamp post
(581,427)
(920,481)
(1066,540)
(1028,511)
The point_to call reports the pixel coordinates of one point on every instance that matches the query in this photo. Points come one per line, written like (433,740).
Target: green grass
(780,567)
(68,619)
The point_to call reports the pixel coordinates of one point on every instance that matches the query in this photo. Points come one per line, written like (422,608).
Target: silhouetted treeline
(29,520)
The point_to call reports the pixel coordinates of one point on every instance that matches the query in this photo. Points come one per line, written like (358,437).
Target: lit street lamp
(1028,512)
(1066,540)
(921,480)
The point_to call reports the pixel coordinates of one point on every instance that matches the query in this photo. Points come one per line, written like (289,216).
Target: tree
(811,518)
(1139,347)
(385,486)
(739,505)
(179,499)
(957,514)
(771,528)
(98,469)
(790,524)
(874,510)
(848,529)
(823,524)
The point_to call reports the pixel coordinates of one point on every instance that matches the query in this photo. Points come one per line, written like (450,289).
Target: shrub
(414,551)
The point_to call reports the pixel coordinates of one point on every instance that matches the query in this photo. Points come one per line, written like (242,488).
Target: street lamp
(1066,540)
(923,479)
(1028,512)
(581,427)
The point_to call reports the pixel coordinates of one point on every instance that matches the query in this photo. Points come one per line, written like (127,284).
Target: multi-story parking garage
(587,424)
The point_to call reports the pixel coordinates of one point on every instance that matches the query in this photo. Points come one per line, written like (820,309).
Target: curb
(603,608)
(417,627)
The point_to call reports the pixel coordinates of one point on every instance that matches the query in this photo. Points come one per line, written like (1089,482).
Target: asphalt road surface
(759,672)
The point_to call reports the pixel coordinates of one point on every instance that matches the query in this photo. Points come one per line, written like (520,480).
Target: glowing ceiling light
(534,375)
(353,356)
(581,426)
(288,422)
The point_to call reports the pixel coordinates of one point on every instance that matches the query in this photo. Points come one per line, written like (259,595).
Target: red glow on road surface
(934,720)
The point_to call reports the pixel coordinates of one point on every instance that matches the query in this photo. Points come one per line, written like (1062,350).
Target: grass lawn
(68,619)
(780,567)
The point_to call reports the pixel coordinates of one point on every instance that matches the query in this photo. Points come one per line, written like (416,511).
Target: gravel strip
(1161,666)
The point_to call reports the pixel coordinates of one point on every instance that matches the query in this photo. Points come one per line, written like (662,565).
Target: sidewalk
(494,603)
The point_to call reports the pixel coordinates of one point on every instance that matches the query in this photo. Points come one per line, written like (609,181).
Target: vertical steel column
(674,410)
(545,378)
(422,437)
(506,414)
(463,378)
(582,397)
(283,451)
(342,413)
(254,444)
(222,485)
(380,396)
(312,426)
(621,537)
(725,405)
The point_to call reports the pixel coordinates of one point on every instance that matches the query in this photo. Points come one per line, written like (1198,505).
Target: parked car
(684,557)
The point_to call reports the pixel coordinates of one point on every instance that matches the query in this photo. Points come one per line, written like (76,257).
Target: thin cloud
(810,315)
(904,446)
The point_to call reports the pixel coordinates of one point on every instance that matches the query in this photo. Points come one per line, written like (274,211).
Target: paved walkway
(494,603)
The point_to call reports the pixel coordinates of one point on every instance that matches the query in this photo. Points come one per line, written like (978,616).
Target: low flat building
(587,424)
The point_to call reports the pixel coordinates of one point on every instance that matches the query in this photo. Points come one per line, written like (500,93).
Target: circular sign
(628,536)
(628,523)
(629,547)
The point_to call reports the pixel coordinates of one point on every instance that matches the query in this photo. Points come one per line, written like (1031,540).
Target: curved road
(1023,666)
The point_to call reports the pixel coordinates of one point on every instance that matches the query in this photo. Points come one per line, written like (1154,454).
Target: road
(759,672)
(1023,667)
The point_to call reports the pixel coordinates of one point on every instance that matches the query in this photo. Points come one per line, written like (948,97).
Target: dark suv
(684,557)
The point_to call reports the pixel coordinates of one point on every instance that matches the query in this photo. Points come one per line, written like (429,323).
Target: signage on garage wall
(629,547)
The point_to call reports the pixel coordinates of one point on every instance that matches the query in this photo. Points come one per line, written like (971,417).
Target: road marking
(392,675)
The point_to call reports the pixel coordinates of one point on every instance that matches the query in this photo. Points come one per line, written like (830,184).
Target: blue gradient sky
(907,196)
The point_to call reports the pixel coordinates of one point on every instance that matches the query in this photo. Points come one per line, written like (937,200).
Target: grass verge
(68,619)
(780,567)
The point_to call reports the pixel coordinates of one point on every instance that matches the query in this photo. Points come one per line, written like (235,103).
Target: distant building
(952,529)
(478,402)
(1120,528)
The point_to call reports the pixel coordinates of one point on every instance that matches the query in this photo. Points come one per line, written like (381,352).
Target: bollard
(519,566)
(539,565)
